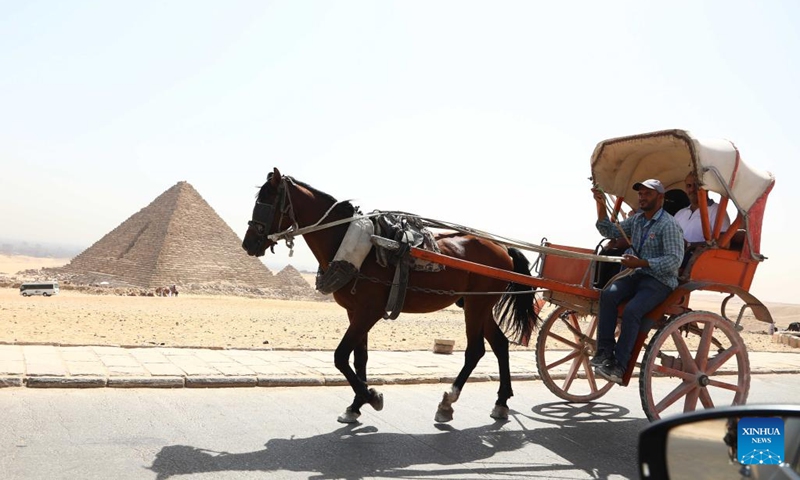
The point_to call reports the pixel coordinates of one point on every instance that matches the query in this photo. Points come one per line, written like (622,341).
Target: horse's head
(272,198)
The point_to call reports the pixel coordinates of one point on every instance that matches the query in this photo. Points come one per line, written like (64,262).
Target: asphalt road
(243,433)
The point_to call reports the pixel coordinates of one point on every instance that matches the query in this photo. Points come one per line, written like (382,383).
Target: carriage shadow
(359,451)
(599,438)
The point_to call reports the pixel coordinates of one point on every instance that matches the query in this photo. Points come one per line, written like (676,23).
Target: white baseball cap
(650,183)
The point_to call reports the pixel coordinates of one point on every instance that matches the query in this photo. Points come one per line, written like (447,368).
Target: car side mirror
(742,441)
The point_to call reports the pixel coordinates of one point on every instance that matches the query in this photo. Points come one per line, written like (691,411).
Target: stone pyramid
(177,239)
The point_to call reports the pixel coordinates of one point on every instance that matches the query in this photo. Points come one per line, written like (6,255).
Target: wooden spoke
(564,340)
(720,359)
(675,395)
(724,385)
(690,402)
(671,372)
(573,327)
(705,344)
(590,377)
(683,351)
(705,398)
(593,326)
(572,374)
(564,360)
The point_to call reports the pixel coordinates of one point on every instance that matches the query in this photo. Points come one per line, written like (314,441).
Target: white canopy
(669,156)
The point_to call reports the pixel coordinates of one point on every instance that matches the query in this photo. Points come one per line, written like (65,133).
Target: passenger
(655,255)
(691,224)
(675,200)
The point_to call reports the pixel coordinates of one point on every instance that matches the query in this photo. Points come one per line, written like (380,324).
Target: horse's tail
(515,312)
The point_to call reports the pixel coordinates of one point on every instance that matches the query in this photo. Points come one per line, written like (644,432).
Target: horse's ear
(275,178)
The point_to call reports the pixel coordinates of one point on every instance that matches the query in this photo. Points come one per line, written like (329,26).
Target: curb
(198,382)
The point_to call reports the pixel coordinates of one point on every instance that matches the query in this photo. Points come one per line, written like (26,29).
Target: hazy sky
(480,113)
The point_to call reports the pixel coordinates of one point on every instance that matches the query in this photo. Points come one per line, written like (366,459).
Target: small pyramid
(291,277)
(177,239)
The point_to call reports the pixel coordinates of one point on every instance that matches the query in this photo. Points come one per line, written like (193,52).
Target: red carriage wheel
(564,347)
(704,360)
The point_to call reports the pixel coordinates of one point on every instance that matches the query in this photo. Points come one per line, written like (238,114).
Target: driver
(654,257)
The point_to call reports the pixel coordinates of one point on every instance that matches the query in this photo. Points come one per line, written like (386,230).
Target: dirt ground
(75,318)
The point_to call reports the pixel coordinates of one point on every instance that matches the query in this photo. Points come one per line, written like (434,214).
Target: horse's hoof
(444,416)
(499,412)
(348,416)
(376,399)
(444,413)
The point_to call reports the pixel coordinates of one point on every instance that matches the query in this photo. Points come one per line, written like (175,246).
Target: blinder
(264,213)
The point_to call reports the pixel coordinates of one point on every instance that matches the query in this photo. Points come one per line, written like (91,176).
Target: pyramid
(177,239)
(289,276)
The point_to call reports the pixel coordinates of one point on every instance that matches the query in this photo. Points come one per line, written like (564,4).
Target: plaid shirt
(659,241)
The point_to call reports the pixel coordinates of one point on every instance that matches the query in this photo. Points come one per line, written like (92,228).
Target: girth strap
(397,294)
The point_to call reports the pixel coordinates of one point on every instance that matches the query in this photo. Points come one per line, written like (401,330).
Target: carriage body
(726,263)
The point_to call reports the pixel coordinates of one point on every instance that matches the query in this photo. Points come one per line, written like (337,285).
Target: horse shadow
(357,451)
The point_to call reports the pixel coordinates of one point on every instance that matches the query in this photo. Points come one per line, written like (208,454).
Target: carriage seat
(738,239)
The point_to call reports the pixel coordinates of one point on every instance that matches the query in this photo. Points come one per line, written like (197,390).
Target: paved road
(290,433)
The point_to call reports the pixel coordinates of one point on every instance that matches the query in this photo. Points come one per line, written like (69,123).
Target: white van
(41,288)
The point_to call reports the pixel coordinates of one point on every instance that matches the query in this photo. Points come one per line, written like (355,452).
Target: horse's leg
(474,313)
(355,340)
(499,343)
(360,358)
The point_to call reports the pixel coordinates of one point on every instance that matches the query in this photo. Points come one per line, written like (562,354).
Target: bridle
(264,214)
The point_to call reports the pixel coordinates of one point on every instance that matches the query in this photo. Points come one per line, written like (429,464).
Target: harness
(395,249)
(402,230)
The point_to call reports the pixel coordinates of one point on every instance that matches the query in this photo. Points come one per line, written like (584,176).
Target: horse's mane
(345,209)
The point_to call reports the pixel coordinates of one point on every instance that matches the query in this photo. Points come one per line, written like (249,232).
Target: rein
(263,214)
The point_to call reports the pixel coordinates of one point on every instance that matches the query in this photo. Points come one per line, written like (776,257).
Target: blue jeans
(643,293)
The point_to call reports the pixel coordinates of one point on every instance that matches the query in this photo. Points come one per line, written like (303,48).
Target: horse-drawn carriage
(700,355)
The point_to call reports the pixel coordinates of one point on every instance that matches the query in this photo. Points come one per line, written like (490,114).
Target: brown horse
(285,204)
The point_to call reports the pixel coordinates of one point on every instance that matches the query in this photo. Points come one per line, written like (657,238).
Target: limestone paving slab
(250,361)
(132,371)
(232,369)
(45,366)
(213,356)
(148,355)
(86,369)
(11,352)
(78,355)
(12,367)
(47,369)
(126,360)
(163,370)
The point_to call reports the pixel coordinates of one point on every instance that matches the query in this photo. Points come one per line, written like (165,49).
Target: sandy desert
(219,321)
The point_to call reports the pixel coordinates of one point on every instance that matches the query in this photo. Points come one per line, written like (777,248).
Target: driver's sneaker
(611,371)
(601,358)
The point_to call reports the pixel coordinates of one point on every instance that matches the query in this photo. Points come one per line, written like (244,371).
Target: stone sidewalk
(48,366)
